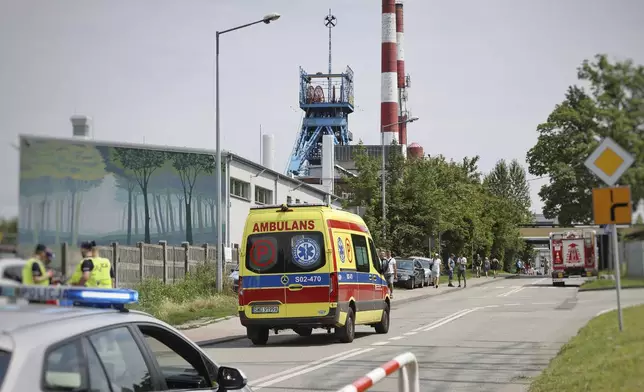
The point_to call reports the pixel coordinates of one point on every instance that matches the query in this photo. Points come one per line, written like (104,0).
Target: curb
(582,290)
(206,323)
(211,342)
(428,295)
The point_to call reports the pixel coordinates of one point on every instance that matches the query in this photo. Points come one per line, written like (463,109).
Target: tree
(509,182)
(141,163)
(612,106)
(189,166)
(639,220)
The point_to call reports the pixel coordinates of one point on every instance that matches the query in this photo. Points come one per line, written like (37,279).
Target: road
(488,338)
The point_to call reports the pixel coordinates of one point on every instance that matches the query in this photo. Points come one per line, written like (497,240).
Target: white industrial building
(251,184)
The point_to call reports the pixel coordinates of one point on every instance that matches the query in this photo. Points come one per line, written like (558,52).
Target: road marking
(538,281)
(410,333)
(511,304)
(397,338)
(499,287)
(513,291)
(449,320)
(439,320)
(544,303)
(492,306)
(309,368)
(604,311)
(301,367)
(380,343)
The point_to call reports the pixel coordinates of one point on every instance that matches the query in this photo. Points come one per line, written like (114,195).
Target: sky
(484,74)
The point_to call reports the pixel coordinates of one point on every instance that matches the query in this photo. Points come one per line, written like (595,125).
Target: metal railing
(408,379)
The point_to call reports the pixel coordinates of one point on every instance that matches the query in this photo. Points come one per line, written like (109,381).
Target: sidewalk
(229,328)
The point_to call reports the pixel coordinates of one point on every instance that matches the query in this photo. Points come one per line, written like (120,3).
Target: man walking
(477,265)
(462,267)
(451,263)
(486,266)
(495,266)
(391,272)
(436,270)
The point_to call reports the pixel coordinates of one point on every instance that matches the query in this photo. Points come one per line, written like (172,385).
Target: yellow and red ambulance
(309,266)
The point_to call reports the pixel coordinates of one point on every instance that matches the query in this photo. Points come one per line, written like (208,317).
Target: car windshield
(4,364)
(424,263)
(283,252)
(405,264)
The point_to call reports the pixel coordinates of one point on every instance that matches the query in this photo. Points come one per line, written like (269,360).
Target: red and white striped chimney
(389,69)
(400,60)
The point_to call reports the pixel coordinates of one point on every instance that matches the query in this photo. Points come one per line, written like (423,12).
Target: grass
(192,298)
(599,358)
(599,284)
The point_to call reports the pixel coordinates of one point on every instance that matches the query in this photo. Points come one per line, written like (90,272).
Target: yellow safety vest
(28,276)
(99,276)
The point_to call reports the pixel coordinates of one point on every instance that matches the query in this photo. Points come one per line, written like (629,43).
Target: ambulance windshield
(285,252)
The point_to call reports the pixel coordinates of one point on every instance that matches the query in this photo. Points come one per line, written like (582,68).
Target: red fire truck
(574,253)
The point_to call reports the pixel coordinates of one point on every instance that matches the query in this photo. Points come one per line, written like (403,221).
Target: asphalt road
(488,338)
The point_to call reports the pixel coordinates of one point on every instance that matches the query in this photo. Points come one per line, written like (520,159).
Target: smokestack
(80,126)
(389,69)
(400,66)
(268,151)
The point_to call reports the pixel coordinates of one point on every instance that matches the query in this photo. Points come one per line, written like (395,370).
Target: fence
(132,264)
(408,377)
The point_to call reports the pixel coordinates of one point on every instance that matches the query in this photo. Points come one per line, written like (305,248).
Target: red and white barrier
(408,378)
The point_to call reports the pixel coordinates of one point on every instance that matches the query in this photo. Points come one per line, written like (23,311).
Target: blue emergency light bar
(82,296)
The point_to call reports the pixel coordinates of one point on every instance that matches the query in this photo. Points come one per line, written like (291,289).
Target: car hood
(405,271)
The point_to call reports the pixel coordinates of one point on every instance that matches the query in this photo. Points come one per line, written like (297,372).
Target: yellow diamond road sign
(609,161)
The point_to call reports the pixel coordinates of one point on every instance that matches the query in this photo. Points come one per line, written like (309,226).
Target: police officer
(35,271)
(93,271)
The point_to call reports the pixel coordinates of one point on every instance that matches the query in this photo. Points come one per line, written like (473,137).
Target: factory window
(240,188)
(297,201)
(263,195)
(289,200)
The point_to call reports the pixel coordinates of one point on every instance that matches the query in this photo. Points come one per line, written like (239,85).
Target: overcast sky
(484,73)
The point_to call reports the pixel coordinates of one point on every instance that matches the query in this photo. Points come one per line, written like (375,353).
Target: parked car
(11,271)
(234,276)
(427,266)
(411,273)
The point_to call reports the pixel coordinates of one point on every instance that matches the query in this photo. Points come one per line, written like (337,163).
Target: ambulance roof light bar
(80,296)
(287,206)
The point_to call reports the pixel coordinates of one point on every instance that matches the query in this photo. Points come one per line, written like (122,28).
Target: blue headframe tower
(327,101)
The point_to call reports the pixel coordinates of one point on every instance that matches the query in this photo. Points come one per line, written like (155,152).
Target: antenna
(330,21)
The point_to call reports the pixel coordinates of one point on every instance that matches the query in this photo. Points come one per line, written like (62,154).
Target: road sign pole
(618,277)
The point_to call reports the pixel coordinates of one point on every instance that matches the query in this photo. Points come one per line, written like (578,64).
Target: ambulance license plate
(263,309)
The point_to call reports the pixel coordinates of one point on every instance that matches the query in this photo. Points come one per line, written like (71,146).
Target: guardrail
(408,378)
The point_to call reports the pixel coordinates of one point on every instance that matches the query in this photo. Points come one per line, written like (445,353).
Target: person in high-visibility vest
(93,271)
(35,271)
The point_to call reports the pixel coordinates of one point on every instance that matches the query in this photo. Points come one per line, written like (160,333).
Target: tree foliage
(432,197)
(610,103)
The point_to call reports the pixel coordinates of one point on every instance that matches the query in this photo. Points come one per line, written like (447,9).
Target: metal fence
(133,264)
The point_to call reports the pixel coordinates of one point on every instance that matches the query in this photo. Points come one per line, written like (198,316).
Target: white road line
(492,306)
(449,320)
(440,320)
(538,281)
(410,333)
(301,367)
(513,291)
(309,369)
(605,311)
(380,343)
(397,338)
(499,287)
(544,303)
(511,304)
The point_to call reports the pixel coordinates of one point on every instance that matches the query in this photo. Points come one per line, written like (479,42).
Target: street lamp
(382,142)
(218,223)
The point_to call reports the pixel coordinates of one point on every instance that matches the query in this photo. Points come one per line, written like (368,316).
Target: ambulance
(309,266)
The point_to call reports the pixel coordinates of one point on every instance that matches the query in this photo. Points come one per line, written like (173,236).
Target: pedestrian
(436,270)
(451,263)
(486,266)
(95,271)
(35,272)
(462,267)
(391,272)
(495,266)
(477,265)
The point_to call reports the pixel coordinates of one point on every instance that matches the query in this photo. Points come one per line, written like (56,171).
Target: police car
(98,345)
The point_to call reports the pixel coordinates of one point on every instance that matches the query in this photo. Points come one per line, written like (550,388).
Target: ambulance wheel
(383,325)
(303,331)
(347,332)
(258,336)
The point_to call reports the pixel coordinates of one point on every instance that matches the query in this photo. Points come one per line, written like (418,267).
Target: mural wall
(73,191)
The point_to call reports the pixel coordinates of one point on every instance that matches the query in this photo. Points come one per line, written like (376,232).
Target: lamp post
(218,221)
(382,142)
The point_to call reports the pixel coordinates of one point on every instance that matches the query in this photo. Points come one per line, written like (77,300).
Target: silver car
(51,348)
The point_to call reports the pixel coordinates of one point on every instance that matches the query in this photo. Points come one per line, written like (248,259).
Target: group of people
(458,264)
(91,271)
